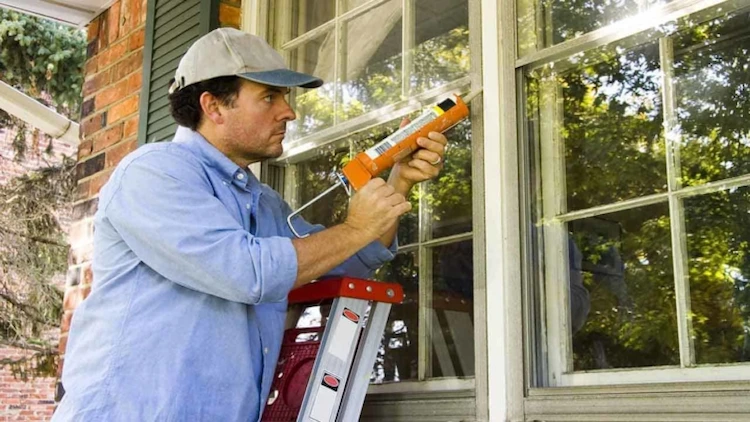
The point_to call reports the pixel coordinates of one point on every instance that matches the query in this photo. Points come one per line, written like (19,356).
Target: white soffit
(73,12)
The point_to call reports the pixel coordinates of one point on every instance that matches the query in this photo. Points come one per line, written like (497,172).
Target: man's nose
(287,114)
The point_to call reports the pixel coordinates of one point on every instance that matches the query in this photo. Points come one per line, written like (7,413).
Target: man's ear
(211,110)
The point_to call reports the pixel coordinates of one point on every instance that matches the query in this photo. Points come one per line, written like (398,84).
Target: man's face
(256,124)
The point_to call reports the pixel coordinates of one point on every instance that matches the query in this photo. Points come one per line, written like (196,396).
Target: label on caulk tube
(429,115)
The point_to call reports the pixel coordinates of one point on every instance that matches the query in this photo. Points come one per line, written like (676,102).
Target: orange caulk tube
(395,147)
(403,142)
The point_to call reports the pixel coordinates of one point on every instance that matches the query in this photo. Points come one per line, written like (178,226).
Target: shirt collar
(227,169)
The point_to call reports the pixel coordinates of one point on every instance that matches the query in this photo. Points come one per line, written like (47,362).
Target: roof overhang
(73,12)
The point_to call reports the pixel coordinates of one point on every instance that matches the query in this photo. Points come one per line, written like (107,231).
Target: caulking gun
(395,147)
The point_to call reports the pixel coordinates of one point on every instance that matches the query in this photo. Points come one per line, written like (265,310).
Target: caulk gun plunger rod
(295,213)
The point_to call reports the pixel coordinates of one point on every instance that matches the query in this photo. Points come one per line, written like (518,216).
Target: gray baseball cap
(227,52)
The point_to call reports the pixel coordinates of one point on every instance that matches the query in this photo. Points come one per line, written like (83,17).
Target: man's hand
(373,211)
(422,165)
(375,208)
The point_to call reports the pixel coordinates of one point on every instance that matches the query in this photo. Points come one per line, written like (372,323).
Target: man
(193,260)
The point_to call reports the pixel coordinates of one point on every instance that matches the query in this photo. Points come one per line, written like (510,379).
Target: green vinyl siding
(171,27)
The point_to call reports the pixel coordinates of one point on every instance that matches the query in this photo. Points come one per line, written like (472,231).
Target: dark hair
(185,105)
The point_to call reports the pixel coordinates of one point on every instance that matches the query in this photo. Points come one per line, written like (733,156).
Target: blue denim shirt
(192,265)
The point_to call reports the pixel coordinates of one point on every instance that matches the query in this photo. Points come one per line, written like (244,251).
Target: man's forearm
(323,251)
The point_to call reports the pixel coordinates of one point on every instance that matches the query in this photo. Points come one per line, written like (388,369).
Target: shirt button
(265,350)
(240,176)
(247,206)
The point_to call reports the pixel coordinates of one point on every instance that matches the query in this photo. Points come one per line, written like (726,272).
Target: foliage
(615,146)
(44,60)
(33,250)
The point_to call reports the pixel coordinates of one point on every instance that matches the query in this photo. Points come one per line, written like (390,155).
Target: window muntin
(683,77)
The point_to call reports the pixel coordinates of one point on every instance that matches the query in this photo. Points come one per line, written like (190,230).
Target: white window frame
(256,20)
(558,340)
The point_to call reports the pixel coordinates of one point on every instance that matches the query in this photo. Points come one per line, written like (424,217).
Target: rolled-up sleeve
(164,208)
(360,265)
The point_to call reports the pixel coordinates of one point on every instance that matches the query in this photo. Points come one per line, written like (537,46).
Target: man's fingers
(425,167)
(429,156)
(401,208)
(374,184)
(395,199)
(433,144)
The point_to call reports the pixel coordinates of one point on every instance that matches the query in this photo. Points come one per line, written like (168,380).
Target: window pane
(622,299)
(449,197)
(453,310)
(397,357)
(372,74)
(316,175)
(568,19)
(352,4)
(713,99)
(607,115)
(309,14)
(718,241)
(314,107)
(442,43)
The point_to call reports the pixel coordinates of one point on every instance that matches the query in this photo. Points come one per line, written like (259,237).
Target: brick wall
(230,13)
(109,126)
(31,400)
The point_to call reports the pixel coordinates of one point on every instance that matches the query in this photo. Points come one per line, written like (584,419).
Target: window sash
(301,148)
(552,167)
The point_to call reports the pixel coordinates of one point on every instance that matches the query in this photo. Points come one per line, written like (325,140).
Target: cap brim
(283,77)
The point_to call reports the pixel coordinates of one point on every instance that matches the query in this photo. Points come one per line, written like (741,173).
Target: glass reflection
(608,116)
(544,23)
(718,241)
(314,107)
(449,197)
(397,357)
(441,54)
(372,74)
(622,264)
(309,14)
(315,176)
(452,311)
(713,99)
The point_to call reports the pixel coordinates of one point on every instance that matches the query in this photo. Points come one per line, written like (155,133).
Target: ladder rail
(337,350)
(354,395)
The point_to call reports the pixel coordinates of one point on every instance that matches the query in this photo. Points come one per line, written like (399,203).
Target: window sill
(699,401)
(435,385)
